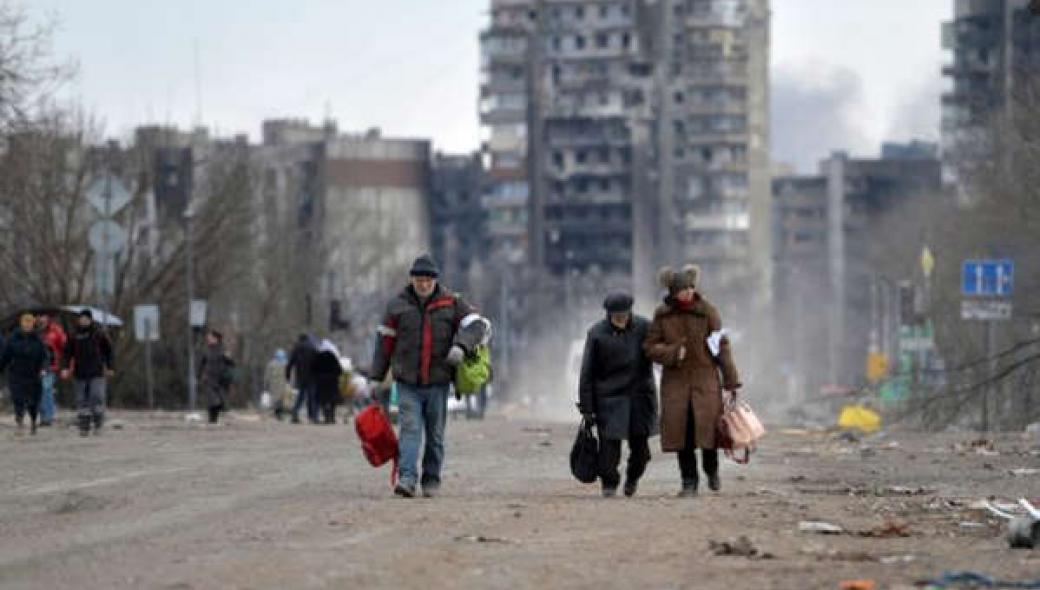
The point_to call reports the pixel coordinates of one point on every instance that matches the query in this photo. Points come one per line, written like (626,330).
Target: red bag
(378,440)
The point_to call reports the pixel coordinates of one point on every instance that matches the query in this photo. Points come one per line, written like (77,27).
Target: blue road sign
(987,278)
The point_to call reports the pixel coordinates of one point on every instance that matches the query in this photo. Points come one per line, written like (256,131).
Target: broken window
(557,158)
(626,40)
(579,42)
(602,40)
(580,156)
(579,12)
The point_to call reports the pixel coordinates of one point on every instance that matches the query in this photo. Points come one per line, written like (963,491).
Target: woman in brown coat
(685,338)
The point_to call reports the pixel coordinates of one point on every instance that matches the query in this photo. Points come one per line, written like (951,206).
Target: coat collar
(699,306)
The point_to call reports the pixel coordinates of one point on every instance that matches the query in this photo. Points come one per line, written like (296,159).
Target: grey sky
(868,69)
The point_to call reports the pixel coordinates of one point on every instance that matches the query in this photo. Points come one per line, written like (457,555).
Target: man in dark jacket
(215,375)
(616,392)
(25,357)
(301,360)
(422,342)
(88,359)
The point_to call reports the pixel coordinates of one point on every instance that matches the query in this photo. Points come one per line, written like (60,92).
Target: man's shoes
(32,428)
(609,492)
(296,420)
(630,487)
(714,484)
(404,490)
(45,424)
(431,491)
(689,489)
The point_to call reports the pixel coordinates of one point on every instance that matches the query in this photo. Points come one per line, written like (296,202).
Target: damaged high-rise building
(631,134)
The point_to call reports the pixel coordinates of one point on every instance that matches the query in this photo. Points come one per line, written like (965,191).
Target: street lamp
(189,215)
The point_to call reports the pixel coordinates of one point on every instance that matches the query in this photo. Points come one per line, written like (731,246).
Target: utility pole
(189,214)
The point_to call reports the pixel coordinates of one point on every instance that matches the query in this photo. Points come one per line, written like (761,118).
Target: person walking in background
(327,369)
(54,337)
(686,338)
(215,375)
(617,394)
(421,340)
(301,361)
(88,360)
(24,358)
(277,385)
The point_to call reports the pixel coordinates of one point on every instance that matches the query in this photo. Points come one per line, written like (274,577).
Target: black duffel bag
(585,454)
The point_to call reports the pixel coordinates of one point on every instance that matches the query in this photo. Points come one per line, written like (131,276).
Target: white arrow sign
(108,194)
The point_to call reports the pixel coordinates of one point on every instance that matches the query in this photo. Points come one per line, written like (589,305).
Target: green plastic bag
(474,371)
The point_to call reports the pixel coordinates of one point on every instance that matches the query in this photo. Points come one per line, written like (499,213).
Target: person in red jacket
(54,337)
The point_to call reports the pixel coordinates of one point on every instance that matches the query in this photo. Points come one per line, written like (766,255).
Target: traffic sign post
(987,285)
(146,329)
(108,195)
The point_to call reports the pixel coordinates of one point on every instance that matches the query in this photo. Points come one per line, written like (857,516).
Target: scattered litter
(898,559)
(480,539)
(116,424)
(859,417)
(1024,472)
(537,430)
(849,437)
(890,529)
(976,579)
(193,418)
(797,478)
(819,527)
(971,524)
(1023,533)
(74,501)
(545,443)
(857,585)
(905,491)
(742,547)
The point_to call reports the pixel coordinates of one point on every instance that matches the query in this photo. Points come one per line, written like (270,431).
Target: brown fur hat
(677,281)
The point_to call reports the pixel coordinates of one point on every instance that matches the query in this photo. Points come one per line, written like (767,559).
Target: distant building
(995,50)
(626,135)
(358,209)
(824,248)
(458,222)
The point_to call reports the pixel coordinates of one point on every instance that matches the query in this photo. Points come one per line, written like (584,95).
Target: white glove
(456,355)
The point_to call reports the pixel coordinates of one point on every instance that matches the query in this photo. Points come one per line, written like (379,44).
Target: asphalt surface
(161,503)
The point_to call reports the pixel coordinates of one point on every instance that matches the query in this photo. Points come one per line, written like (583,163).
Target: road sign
(985,309)
(106,237)
(105,275)
(198,313)
(987,278)
(146,322)
(108,194)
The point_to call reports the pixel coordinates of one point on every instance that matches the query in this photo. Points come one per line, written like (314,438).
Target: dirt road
(258,504)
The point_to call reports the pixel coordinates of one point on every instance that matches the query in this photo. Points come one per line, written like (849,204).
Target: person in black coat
(25,358)
(617,393)
(301,361)
(327,370)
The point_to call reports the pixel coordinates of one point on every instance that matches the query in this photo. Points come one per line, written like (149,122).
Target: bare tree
(29,72)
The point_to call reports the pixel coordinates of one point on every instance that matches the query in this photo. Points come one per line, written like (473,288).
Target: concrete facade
(825,259)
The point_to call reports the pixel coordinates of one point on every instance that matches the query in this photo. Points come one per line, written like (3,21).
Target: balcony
(717,222)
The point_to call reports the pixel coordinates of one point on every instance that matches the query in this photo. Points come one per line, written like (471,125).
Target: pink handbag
(739,429)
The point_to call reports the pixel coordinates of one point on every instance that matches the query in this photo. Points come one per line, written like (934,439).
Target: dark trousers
(214,413)
(688,455)
(26,398)
(328,412)
(308,395)
(610,458)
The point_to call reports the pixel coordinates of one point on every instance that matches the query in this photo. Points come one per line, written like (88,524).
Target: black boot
(714,483)
(84,425)
(689,488)
(630,487)
(32,426)
(99,421)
